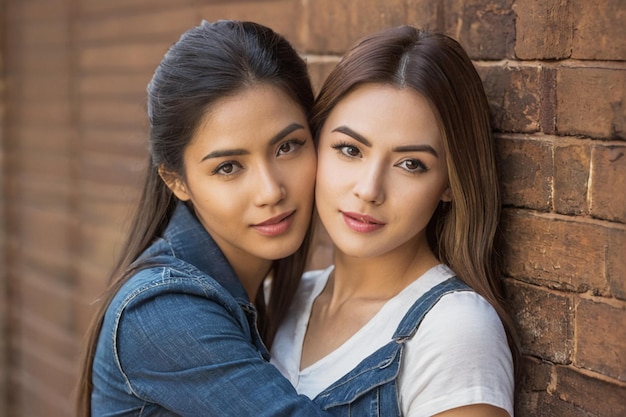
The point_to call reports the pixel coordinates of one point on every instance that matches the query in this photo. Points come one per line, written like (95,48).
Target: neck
(251,274)
(380,277)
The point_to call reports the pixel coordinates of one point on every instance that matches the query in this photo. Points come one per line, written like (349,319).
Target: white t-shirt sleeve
(459,356)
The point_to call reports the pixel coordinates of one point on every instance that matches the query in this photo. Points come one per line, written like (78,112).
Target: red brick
(337,24)
(608,182)
(111,169)
(486,28)
(128,142)
(122,58)
(43,233)
(616,262)
(596,396)
(30,397)
(48,168)
(114,85)
(114,113)
(28,139)
(543,28)
(536,374)
(46,87)
(46,300)
(544,320)
(286,17)
(43,113)
(97,7)
(43,60)
(48,199)
(35,10)
(599,30)
(319,70)
(429,15)
(600,338)
(571,178)
(601,111)
(542,404)
(53,32)
(106,209)
(526,172)
(155,23)
(86,300)
(557,252)
(515,96)
(101,244)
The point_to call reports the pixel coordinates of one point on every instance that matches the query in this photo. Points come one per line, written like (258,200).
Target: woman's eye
(227,168)
(348,150)
(289,147)
(412,165)
(351,151)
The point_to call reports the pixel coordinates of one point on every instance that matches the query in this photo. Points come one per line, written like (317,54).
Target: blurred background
(73,131)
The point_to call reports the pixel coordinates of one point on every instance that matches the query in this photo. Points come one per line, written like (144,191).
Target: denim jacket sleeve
(192,353)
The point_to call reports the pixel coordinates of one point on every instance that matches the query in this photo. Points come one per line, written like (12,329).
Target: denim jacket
(179,339)
(370,389)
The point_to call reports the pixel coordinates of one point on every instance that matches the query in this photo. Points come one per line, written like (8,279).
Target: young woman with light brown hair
(410,318)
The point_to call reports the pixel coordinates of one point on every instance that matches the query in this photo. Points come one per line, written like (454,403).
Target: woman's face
(381,171)
(249,174)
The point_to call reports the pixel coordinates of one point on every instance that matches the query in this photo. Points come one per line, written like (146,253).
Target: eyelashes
(347,149)
(285,149)
(351,152)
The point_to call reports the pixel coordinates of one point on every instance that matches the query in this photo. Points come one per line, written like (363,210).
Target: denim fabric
(179,339)
(370,389)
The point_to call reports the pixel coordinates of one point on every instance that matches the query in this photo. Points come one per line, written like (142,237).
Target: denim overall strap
(413,318)
(370,389)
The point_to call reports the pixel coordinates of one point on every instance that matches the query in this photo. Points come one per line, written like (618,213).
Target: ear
(446,197)
(174,183)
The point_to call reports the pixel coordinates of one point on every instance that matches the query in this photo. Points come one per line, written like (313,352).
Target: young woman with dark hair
(226,202)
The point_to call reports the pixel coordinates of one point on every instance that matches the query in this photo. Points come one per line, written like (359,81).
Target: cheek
(301,176)
(331,185)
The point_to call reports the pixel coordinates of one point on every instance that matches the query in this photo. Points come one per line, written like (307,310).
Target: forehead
(385,111)
(253,114)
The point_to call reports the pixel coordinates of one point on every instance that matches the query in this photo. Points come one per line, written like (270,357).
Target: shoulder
(172,277)
(458,356)
(160,300)
(461,310)
(462,323)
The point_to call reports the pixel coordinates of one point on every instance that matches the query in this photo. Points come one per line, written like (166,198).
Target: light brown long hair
(209,62)
(464,233)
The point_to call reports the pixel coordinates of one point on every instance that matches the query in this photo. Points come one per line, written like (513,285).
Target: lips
(276,225)
(361,223)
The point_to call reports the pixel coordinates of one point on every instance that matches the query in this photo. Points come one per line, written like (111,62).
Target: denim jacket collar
(189,241)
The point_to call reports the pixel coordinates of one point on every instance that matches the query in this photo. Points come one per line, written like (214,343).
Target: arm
(476,410)
(190,355)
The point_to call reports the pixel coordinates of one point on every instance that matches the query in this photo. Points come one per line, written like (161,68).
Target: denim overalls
(370,389)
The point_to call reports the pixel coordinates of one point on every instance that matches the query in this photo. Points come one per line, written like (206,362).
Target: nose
(269,187)
(369,186)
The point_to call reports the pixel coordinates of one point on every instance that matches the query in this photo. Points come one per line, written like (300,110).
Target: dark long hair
(209,62)
(463,233)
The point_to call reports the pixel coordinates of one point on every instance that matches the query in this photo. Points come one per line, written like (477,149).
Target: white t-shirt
(459,355)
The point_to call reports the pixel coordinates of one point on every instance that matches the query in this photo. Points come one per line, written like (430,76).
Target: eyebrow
(407,148)
(356,136)
(236,152)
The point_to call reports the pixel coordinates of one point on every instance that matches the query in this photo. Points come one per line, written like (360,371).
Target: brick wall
(3,299)
(72,128)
